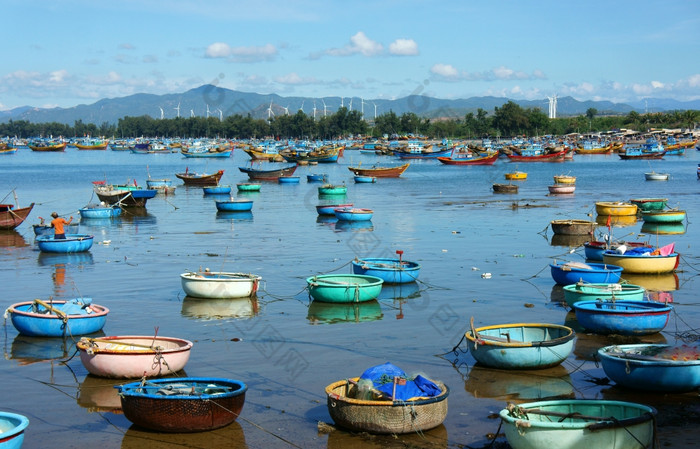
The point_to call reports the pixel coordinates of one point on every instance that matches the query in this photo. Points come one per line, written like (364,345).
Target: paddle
(49,307)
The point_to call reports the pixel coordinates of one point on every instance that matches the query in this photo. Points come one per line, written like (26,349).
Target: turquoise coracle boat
(578,424)
(344,288)
(579,291)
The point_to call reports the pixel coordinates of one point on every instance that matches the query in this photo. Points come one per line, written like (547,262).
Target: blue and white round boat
(238,205)
(73,243)
(592,273)
(391,271)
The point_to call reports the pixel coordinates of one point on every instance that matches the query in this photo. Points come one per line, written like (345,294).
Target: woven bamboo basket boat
(384,416)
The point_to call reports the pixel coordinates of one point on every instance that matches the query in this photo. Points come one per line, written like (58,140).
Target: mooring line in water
(269,432)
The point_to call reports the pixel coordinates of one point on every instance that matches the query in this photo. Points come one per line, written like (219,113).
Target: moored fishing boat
(268,175)
(622,317)
(73,243)
(248,187)
(288,179)
(594,249)
(505,188)
(97,210)
(663,216)
(648,204)
(92,144)
(644,260)
(124,195)
(133,356)
(47,146)
(561,189)
(162,185)
(653,367)
(593,273)
(365,179)
(183,404)
(353,214)
(579,424)
(317,177)
(38,318)
(219,285)
(329,209)
(489,158)
(583,291)
(391,271)
(344,288)
(237,205)
(12,426)
(573,227)
(615,208)
(333,189)
(380,172)
(520,345)
(516,176)
(10,217)
(556,156)
(200,179)
(653,176)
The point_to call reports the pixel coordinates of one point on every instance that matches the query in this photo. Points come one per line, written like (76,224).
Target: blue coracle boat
(317,177)
(12,428)
(73,243)
(78,316)
(592,273)
(216,190)
(99,211)
(622,317)
(288,180)
(391,271)
(234,205)
(365,179)
(652,367)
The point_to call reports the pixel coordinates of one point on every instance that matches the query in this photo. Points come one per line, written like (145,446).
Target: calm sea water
(287,349)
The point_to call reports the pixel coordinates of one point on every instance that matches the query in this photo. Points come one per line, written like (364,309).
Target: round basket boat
(344,288)
(219,285)
(592,273)
(73,243)
(391,271)
(384,416)
(582,291)
(12,426)
(184,404)
(78,316)
(622,317)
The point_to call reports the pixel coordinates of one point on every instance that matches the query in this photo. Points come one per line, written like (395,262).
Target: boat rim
(554,342)
(444,393)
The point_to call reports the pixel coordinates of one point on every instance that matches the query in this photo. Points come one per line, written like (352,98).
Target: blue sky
(71,52)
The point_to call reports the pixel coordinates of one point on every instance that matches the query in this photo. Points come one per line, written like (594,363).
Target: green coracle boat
(344,288)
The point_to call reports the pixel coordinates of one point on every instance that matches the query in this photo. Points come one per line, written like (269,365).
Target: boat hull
(622,317)
(615,209)
(248,187)
(344,288)
(216,190)
(391,271)
(200,180)
(268,175)
(592,273)
(329,209)
(559,156)
(489,159)
(73,243)
(134,356)
(559,189)
(573,227)
(380,172)
(234,205)
(574,293)
(663,216)
(332,190)
(351,214)
(100,212)
(32,319)
(526,345)
(219,285)
(11,218)
(641,264)
(12,426)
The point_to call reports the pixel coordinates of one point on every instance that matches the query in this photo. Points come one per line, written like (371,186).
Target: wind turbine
(350,104)
(314,110)
(302,106)
(178,109)
(161,112)
(270,112)
(375,111)
(191,112)
(221,115)
(363,106)
(207,111)
(324,107)
(341,102)
(286,110)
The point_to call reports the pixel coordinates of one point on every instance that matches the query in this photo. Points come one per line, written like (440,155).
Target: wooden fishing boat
(663,216)
(5,149)
(557,156)
(489,158)
(216,190)
(380,172)
(12,426)
(133,356)
(200,179)
(10,217)
(48,146)
(653,176)
(73,243)
(37,318)
(183,404)
(648,204)
(417,151)
(391,271)
(329,153)
(208,151)
(124,195)
(365,179)
(564,179)
(631,154)
(573,227)
(652,367)
(505,188)
(579,424)
(344,288)
(622,317)
(594,149)
(263,154)
(521,345)
(333,189)
(162,185)
(615,208)
(288,179)
(92,144)
(642,261)
(353,214)
(582,291)
(317,177)
(268,175)
(248,187)
(237,205)
(100,211)
(561,189)
(516,176)
(594,249)
(329,209)
(219,285)
(593,273)
(381,415)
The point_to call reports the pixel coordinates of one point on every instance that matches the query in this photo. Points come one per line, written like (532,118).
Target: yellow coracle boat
(615,208)
(564,179)
(516,176)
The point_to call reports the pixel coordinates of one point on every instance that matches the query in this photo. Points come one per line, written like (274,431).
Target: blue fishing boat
(216,190)
(329,209)
(344,288)
(73,243)
(159,184)
(652,367)
(579,424)
(317,177)
(238,205)
(100,211)
(582,291)
(365,179)
(353,214)
(37,318)
(592,273)
(183,404)
(288,180)
(520,346)
(12,427)
(622,317)
(391,271)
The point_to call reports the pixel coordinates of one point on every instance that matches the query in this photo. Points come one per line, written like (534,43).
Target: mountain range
(212,101)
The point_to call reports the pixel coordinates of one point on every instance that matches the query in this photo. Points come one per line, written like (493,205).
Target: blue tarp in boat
(382,377)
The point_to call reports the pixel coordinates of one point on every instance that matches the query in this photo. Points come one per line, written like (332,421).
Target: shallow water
(284,348)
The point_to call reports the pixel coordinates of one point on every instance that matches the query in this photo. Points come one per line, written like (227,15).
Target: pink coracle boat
(133,356)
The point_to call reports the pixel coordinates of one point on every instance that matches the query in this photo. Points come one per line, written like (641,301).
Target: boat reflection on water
(11,239)
(234,216)
(665,282)
(407,290)
(436,438)
(354,226)
(27,350)
(617,221)
(663,228)
(75,259)
(138,216)
(215,309)
(557,294)
(509,385)
(97,394)
(570,241)
(229,436)
(329,313)
(326,219)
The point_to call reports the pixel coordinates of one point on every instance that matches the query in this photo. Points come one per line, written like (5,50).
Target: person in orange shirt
(57,223)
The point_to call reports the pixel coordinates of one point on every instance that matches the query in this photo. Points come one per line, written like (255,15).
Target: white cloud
(295,79)
(403,47)
(447,72)
(444,70)
(359,44)
(657,85)
(266,52)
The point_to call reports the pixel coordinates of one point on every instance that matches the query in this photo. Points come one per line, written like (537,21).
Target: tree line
(505,121)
